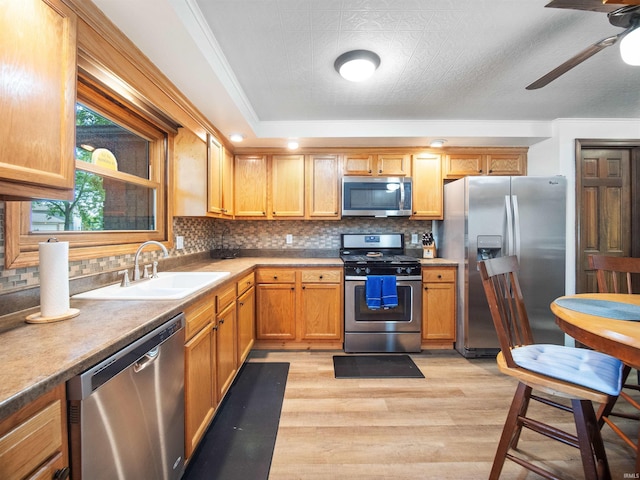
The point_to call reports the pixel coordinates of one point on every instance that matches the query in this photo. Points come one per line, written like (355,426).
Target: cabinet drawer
(225,297)
(31,443)
(198,315)
(321,276)
(245,283)
(438,275)
(274,275)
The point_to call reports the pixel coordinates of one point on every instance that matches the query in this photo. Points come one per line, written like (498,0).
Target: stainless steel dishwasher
(126,414)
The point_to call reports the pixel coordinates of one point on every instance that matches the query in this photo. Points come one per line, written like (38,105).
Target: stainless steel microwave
(376,196)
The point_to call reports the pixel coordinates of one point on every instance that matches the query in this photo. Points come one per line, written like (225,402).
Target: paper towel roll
(54,278)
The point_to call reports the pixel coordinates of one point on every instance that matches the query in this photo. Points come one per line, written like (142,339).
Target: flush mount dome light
(236,137)
(357,65)
(630,47)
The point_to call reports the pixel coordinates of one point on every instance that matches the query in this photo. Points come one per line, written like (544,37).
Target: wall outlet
(179,242)
(414,238)
(289,239)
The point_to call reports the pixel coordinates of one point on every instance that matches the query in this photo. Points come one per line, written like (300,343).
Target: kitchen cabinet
(227,184)
(287,186)
(322,189)
(215,159)
(275,304)
(250,186)
(299,308)
(385,165)
(33,441)
(246,316)
(38,47)
(486,162)
(438,307)
(226,340)
(427,187)
(200,370)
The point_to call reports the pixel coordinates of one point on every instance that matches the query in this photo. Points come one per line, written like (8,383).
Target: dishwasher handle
(147,360)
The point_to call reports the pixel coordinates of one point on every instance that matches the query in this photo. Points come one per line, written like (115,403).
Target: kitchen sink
(168,286)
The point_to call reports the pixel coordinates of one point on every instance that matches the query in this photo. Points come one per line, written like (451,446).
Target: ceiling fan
(627,17)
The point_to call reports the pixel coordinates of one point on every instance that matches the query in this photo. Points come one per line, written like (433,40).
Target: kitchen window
(119,200)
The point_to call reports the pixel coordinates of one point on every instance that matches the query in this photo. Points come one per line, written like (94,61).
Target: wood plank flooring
(445,426)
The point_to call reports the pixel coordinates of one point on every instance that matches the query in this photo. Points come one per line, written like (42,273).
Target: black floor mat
(240,441)
(375,366)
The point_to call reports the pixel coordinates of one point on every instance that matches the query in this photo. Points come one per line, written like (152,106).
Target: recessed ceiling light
(292,145)
(437,143)
(236,137)
(357,65)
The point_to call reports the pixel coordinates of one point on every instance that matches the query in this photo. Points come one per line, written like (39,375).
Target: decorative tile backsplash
(204,234)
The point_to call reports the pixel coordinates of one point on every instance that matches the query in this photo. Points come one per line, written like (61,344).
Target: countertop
(37,357)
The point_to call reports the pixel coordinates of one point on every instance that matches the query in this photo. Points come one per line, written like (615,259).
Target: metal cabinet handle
(321,277)
(275,277)
(221,321)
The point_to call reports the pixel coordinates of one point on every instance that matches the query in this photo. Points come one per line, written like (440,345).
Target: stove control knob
(399,270)
(367,270)
(358,270)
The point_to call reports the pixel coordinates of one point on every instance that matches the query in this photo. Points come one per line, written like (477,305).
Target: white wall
(556,156)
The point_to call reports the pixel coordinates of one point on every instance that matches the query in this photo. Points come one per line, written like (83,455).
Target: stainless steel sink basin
(168,286)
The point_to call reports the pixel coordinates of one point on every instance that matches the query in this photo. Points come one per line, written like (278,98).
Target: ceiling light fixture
(236,137)
(437,143)
(630,47)
(292,145)
(357,65)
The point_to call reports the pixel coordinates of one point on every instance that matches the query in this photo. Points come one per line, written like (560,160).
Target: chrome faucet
(136,266)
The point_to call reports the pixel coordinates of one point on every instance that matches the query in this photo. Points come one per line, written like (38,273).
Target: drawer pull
(321,277)
(275,277)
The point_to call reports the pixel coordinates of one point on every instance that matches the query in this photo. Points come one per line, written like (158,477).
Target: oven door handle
(407,278)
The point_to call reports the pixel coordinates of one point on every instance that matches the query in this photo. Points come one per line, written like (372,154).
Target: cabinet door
(226,359)
(358,164)
(321,311)
(464,164)
(190,168)
(323,186)
(506,164)
(287,185)
(199,386)
(275,310)
(427,187)
(215,157)
(246,323)
(439,304)
(394,165)
(250,186)
(38,44)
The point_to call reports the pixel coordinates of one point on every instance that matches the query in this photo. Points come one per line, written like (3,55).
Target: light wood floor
(445,426)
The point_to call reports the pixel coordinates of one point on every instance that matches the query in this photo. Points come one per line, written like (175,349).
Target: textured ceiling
(453,69)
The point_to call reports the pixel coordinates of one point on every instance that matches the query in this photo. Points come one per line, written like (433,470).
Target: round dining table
(606,322)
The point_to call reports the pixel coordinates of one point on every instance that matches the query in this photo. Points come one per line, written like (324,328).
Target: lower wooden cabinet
(299,308)
(226,341)
(33,441)
(246,316)
(438,307)
(200,371)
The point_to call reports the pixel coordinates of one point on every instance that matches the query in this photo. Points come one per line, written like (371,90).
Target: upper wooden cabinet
(427,187)
(485,162)
(287,186)
(387,165)
(322,189)
(250,186)
(215,158)
(37,100)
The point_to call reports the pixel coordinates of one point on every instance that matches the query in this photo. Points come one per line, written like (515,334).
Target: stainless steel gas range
(371,257)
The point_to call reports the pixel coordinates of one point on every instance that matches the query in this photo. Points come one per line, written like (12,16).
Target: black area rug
(239,443)
(375,366)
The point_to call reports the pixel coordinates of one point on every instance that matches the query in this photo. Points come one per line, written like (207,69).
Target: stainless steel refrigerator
(486,217)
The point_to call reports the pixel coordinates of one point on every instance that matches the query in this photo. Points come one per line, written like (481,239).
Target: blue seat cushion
(581,366)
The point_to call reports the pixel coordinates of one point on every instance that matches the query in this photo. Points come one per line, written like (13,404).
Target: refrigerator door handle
(509,212)
(516,226)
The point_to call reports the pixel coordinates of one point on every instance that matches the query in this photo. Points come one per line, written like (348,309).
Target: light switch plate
(289,239)
(179,242)
(414,238)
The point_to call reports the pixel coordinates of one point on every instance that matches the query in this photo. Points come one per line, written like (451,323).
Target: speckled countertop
(36,357)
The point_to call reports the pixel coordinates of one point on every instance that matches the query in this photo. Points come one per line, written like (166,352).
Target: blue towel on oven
(381,292)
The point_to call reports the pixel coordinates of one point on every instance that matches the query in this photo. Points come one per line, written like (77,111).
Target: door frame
(629,144)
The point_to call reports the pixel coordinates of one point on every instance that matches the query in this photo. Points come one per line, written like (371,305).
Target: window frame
(21,245)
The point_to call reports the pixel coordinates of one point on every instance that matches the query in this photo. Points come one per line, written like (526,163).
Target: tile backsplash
(203,234)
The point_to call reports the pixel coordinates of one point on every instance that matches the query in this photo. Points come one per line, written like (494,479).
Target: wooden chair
(614,275)
(552,369)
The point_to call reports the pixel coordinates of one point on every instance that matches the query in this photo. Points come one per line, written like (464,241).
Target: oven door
(406,317)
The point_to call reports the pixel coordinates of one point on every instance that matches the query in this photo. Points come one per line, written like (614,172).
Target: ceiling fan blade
(590,5)
(574,61)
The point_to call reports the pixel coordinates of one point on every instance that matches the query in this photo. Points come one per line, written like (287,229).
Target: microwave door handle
(401,196)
